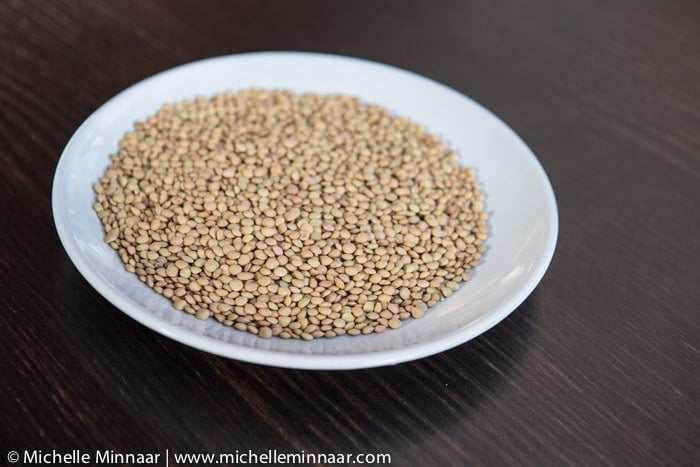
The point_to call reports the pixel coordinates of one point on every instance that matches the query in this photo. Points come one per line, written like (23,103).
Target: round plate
(519,199)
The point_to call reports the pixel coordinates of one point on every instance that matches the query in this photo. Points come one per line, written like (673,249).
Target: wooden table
(599,366)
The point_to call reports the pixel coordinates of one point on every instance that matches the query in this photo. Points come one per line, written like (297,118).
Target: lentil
(297,216)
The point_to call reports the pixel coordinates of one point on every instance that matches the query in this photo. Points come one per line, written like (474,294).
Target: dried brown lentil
(297,216)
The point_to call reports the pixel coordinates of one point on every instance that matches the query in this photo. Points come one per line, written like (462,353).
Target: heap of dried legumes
(297,216)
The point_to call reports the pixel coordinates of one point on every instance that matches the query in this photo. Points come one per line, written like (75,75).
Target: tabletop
(598,366)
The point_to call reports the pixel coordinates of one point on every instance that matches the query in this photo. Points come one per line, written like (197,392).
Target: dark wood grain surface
(599,366)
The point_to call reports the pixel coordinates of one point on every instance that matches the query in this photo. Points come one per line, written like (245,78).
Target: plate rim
(299,360)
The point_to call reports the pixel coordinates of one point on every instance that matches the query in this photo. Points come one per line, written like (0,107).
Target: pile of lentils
(292,215)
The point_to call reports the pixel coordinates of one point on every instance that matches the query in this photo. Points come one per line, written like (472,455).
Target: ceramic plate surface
(519,199)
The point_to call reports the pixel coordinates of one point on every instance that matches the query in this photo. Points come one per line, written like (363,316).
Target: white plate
(519,198)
